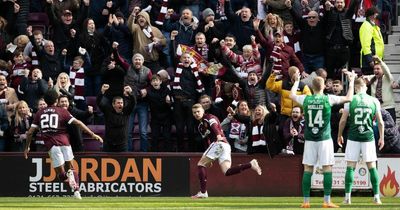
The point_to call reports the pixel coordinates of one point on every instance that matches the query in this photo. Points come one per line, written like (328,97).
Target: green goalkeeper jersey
(317,112)
(361,110)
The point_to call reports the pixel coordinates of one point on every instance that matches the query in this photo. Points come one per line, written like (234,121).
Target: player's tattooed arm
(29,137)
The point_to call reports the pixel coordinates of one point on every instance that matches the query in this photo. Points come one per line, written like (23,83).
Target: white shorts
(219,150)
(318,152)
(355,148)
(60,154)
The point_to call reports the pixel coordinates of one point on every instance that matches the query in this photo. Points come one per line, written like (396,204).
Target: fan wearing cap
(65,27)
(210,27)
(147,39)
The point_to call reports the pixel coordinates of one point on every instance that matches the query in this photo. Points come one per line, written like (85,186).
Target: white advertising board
(361,175)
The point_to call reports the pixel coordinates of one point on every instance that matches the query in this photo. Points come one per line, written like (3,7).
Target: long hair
(58,83)
(19,117)
(3,24)
(238,105)
(268,29)
(265,112)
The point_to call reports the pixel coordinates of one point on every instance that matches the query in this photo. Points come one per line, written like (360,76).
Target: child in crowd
(160,108)
(19,70)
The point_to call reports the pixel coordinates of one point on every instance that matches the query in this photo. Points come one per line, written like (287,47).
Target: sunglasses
(311,17)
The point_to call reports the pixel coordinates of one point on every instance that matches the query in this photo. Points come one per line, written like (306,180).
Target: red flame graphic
(389,186)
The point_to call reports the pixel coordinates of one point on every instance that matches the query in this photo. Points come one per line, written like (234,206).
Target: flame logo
(389,186)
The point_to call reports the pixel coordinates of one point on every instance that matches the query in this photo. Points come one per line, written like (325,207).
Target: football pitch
(176,203)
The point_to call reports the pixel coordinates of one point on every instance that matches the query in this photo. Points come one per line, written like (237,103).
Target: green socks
(327,183)
(349,178)
(306,183)
(374,180)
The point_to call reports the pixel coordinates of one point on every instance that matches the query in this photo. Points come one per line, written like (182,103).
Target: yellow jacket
(283,87)
(371,42)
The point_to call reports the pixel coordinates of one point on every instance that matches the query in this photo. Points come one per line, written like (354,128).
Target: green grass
(176,203)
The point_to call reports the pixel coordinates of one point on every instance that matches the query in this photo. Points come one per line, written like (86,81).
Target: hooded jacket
(141,41)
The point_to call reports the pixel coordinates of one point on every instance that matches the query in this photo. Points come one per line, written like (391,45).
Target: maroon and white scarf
(163,12)
(77,79)
(177,80)
(276,58)
(257,135)
(148,32)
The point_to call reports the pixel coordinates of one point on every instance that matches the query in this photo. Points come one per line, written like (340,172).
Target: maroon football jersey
(52,123)
(210,127)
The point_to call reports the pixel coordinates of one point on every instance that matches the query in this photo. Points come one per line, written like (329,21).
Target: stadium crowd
(237,58)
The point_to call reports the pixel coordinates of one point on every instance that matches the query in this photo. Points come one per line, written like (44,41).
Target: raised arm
(342,124)
(350,92)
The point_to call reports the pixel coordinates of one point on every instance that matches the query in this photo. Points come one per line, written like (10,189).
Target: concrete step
(396,28)
(394,39)
(392,49)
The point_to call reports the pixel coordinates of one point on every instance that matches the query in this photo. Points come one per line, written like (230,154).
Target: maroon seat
(39,21)
(90,144)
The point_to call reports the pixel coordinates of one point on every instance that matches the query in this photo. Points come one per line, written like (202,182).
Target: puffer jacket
(283,87)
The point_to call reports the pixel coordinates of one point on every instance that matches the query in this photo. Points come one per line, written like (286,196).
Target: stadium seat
(98,118)
(39,21)
(90,144)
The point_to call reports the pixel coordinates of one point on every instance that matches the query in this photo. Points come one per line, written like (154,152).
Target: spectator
(147,39)
(186,27)
(392,134)
(63,86)
(32,88)
(5,37)
(8,97)
(240,26)
(97,46)
(312,40)
(318,73)
(186,88)
(38,144)
(160,99)
(371,41)
(49,61)
(19,70)
(116,119)
(117,31)
(283,87)
(272,23)
(279,8)
(248,62)
(210,27)
(339,36)
(293,132)
(302,8)
(66,25)
(210,107)
(236,131)
(291,37)
(77,76)
(30,52)
(114,69)
(4,124)
(138,78)
(381,85)
(76,138)
(20,123)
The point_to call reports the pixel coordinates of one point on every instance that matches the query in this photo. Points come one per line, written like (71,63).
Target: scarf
(257,135)
(378,92)
(177,80)
(148,32)
(77,78)
(203,51)
(276,58)
(163,12)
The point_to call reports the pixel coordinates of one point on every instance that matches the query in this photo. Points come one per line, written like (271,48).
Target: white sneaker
(77,195)
(255,166)
(377,201)
(200,195)
(347,201)
(71,179)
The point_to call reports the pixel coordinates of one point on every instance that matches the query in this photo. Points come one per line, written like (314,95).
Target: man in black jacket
(116,119)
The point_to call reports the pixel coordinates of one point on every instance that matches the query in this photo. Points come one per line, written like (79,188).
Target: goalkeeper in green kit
(318,147)
(360,113)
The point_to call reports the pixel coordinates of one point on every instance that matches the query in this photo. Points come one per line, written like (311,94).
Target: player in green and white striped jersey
(318,147)
(360,112)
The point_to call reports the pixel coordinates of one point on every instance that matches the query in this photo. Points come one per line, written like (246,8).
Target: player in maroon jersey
(219,149)
(52,121)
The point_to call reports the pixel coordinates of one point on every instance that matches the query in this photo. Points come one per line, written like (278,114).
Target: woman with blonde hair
(20,124)
(261,138)
(271,24)
(63,86)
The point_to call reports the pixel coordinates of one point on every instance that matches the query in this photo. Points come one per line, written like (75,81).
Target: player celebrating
(52,122)
(361,111)
(210,129)
(318,145)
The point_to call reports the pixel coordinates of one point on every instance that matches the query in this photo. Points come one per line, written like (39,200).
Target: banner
(389,177)
(203,65)
(361,175)
(99,176)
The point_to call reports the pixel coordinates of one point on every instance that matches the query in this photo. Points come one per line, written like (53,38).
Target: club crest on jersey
(315,130)
(361,129)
